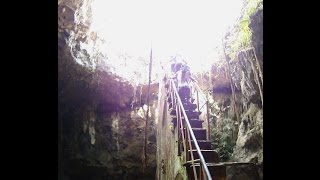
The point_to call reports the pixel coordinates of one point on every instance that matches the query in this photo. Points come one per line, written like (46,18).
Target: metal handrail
(202,160)
(199,89)
(207,104)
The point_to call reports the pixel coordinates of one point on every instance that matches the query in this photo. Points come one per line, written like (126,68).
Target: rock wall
(101,118)
(249,145)
(240,140)
(100,132)
(109,146)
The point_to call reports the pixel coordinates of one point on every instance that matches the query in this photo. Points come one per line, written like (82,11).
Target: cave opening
(113,56)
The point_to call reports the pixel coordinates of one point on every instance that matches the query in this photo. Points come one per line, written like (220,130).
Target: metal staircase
(201,160)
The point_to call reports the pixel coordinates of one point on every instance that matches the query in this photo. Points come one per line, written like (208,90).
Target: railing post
(200,172)
(172,95)
(198,104)
(208,120)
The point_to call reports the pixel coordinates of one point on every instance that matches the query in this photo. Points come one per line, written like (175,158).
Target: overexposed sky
(190,28)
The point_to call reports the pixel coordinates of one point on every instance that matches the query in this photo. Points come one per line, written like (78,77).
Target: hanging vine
(231,84)
(144,156)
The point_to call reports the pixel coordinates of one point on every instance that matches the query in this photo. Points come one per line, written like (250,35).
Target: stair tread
(202,141)
(198,129)
(200,133)
(173,112)
(232,163)
(192,112)
(195,120)
(210,156)
(219,164)
(217,171)
(204,150)
(208,164)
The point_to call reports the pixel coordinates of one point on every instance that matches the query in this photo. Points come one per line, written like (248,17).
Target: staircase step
(193,115)
(173,112)
(195,123)
(203,144)
(185,100)
(189,106)
(210,156)
(200,133)
(191,112)
(217,171)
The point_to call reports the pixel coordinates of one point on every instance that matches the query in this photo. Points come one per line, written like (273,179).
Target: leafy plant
(243,34)
(223,140)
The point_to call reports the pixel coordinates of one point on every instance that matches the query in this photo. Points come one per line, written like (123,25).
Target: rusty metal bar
(208,121)
(198,104)
(192,158)
(179,120)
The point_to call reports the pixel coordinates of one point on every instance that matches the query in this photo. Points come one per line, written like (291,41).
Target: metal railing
(198,91)
(184,127)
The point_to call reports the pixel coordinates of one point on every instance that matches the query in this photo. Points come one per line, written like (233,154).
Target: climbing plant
(223,138)
(242,32)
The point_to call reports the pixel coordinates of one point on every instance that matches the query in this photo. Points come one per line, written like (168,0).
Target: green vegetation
(242,37)
(223,140)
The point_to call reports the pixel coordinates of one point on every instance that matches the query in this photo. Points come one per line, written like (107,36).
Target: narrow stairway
(216,169)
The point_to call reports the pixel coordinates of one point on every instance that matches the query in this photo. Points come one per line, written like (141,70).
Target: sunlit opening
(192,29)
